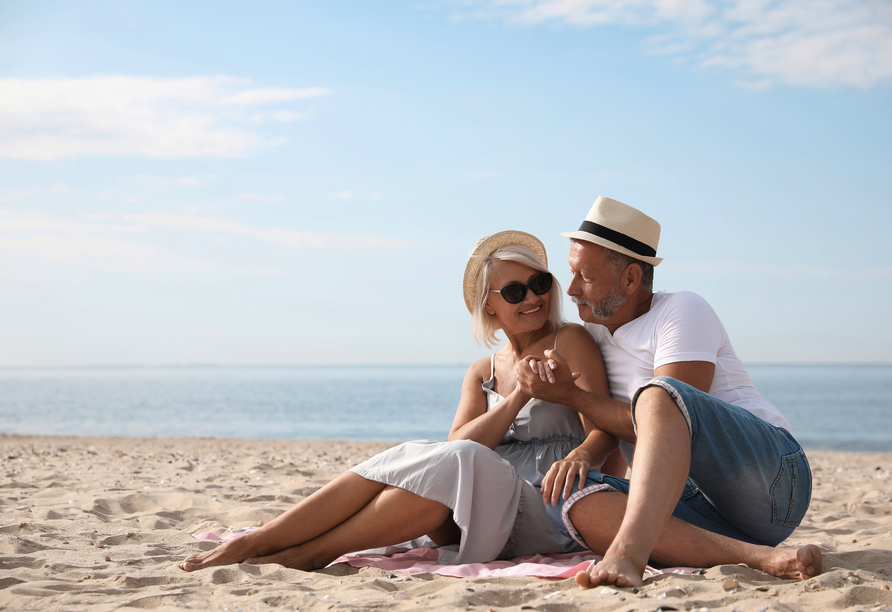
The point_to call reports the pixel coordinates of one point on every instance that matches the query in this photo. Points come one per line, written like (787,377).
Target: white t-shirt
(678,327)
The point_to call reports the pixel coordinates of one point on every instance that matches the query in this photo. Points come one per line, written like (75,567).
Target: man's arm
(607,414)
(698,374)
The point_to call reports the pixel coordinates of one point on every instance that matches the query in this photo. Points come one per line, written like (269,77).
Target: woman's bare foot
(296,557)
(245,545)
(227,553)
(795,563)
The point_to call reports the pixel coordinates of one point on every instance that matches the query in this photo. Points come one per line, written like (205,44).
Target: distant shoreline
(137,366)
(169,439)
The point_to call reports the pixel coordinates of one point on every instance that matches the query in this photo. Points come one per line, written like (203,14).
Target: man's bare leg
(328,507)
(598,518)
(393,516)
(659,473)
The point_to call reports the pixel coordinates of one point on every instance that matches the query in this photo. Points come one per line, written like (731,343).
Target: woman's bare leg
(598,518)
(393,516)
(328,507)
(615,465)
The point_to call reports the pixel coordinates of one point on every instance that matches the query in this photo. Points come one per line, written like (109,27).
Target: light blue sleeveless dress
(494,494)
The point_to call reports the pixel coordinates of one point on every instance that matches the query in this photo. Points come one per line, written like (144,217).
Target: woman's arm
(592,453)
(472,420)
(583,356)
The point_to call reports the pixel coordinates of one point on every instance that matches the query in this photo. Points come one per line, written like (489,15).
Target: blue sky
(301,182)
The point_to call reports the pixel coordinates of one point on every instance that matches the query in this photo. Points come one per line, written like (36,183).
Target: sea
(839,407)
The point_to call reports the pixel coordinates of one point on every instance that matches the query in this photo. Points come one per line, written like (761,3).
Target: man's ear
(631,278)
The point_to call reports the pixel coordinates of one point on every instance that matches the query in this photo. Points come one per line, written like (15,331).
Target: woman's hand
(548,379)
(558,482)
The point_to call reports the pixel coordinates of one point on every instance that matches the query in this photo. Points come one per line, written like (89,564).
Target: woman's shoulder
(574,337)
(573,332)
(480,370)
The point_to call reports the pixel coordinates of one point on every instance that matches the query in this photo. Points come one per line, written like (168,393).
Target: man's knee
(661,397)
(655,400)
(654,396)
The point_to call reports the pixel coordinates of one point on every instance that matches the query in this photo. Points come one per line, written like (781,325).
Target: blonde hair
(485,325)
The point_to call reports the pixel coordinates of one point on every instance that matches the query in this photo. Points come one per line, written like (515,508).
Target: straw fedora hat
(619,227)
(488,245)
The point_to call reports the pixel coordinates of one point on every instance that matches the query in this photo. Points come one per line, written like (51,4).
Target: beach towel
(424,560)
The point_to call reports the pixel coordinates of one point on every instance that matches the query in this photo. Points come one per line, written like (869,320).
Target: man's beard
(606,308)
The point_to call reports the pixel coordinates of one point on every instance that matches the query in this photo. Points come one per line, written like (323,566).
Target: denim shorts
(749,480)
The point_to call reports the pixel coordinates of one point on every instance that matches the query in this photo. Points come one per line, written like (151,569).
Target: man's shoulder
(683,312)
(674,297)
(679,301)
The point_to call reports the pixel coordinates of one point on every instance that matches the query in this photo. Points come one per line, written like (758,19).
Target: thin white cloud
(110,253)
(130,242)
(288,238)
(344,196)
(14,222)
(287,116)
(15,195)
(253,97)
(44,119)
(810,43)
(190,181)
(259,197)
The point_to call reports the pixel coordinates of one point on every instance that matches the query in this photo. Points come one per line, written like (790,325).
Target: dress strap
(555,337)
(492,366)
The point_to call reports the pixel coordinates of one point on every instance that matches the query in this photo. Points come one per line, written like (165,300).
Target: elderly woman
(503,447)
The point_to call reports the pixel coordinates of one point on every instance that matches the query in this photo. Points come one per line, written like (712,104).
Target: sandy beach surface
(101,524)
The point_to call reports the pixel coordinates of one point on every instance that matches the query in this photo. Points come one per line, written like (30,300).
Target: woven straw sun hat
(619,227)
(488,245)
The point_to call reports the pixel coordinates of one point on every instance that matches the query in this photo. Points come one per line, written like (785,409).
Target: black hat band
(636,246)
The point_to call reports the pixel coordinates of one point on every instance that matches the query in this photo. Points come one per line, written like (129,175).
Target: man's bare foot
(618,571)
(795,563)
(811,561)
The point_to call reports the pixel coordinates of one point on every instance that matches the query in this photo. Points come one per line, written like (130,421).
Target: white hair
(485,325)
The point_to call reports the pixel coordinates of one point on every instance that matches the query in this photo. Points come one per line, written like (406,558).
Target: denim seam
(786,463)
(575,497)
(673,393)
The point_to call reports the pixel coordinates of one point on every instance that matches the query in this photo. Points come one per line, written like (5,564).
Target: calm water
(838,407)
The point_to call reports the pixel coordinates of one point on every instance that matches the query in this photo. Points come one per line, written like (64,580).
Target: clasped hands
(548,379)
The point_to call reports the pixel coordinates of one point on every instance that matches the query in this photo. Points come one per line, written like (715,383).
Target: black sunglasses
(514,293)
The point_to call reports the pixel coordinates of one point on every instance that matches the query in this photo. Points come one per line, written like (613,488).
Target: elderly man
(703,446)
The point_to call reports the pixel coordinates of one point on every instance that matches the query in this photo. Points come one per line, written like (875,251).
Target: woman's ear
(488,308)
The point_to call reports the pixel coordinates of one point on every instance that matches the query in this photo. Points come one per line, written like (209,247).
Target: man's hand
(549,379)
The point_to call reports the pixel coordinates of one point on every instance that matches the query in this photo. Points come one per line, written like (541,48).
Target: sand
(101,524)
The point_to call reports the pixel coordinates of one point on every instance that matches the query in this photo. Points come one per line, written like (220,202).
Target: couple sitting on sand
(717,477)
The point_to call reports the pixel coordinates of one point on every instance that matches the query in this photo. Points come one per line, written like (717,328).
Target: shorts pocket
(791,490)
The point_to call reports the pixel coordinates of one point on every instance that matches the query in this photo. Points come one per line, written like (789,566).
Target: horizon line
(362,365)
